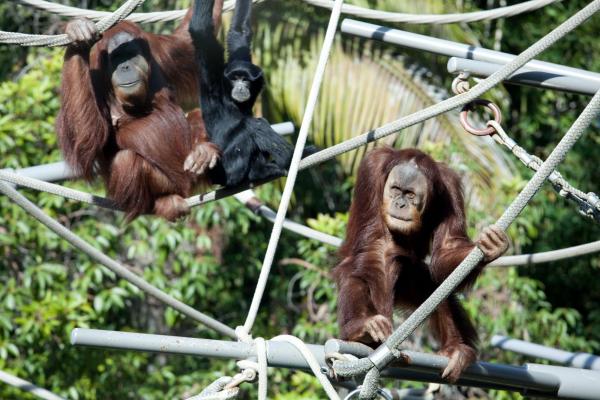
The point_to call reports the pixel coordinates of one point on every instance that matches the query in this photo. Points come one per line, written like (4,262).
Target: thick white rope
(391,345)
(266,212)
(293,170)
(217,390)
(59,190)
(312,362)
(28,387)
(249,199)
(383,354)
(61,40)
(383,131)
(111,264)
(494,13)
(547,256)
(432,111)
(75,12)
(157,16)
(589,203)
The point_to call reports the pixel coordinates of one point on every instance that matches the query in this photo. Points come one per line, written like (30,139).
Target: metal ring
(380,392)
(464,121)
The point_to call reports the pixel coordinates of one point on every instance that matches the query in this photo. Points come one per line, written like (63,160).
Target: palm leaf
(366,86)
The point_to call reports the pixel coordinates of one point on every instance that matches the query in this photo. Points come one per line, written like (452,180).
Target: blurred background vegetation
(211,260)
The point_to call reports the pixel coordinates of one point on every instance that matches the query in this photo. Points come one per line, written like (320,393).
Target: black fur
(250,149)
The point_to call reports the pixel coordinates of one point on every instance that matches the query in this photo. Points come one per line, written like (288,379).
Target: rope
(312,362)
(61,40)
(293,170)
(28,387)
(547,256)
(384,352)
(58,190)
(249,199)
(258,207)
(114,266)
(429,112)
(589,203)
(412,119)
(495,13)
(461,99)
(74,12)
(217,391)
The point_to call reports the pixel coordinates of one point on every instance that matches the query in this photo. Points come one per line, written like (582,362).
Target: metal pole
(453,49)
(279,354)
(530,379)
(525,76)
(284,128)
(57,171)
(480,372)
(577,360)
(60,171)
(27,387)
(574,383)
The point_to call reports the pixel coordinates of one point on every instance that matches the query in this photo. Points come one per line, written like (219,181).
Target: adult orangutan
(121,115)
(406,206)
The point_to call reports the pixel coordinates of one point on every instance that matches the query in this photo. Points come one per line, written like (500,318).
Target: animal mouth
(129,84)
(404,219)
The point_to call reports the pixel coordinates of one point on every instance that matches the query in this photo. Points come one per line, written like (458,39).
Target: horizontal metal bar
(525,76)
(249,199)
(574,383)
(547,256)
(60,171)
(530,379)
(461,50)
(57,171)
(284,128)
(28,387)
(577,360)
(279,354)
(481,372)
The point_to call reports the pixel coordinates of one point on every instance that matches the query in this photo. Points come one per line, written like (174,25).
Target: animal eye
(410,195)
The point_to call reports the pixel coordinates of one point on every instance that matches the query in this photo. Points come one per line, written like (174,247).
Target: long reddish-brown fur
(140,153)
(379,269)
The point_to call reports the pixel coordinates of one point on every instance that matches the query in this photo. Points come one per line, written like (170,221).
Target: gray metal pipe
(531,379)
(453,49)
(525,76)
(480,372)
(577,360)
(279,354)
(60,171)
(574,383)
(284,128)
(28,387)
(57,171)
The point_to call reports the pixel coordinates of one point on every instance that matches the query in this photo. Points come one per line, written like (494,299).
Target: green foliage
(211,260)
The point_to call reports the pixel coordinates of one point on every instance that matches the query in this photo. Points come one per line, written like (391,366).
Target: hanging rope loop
(460,84)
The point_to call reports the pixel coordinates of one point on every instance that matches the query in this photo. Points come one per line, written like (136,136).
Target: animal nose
(400,203)
(125,67)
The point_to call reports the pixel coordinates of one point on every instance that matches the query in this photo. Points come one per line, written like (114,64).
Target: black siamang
(250,150)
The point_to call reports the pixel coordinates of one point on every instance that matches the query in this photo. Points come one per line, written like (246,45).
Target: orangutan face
(404,198)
